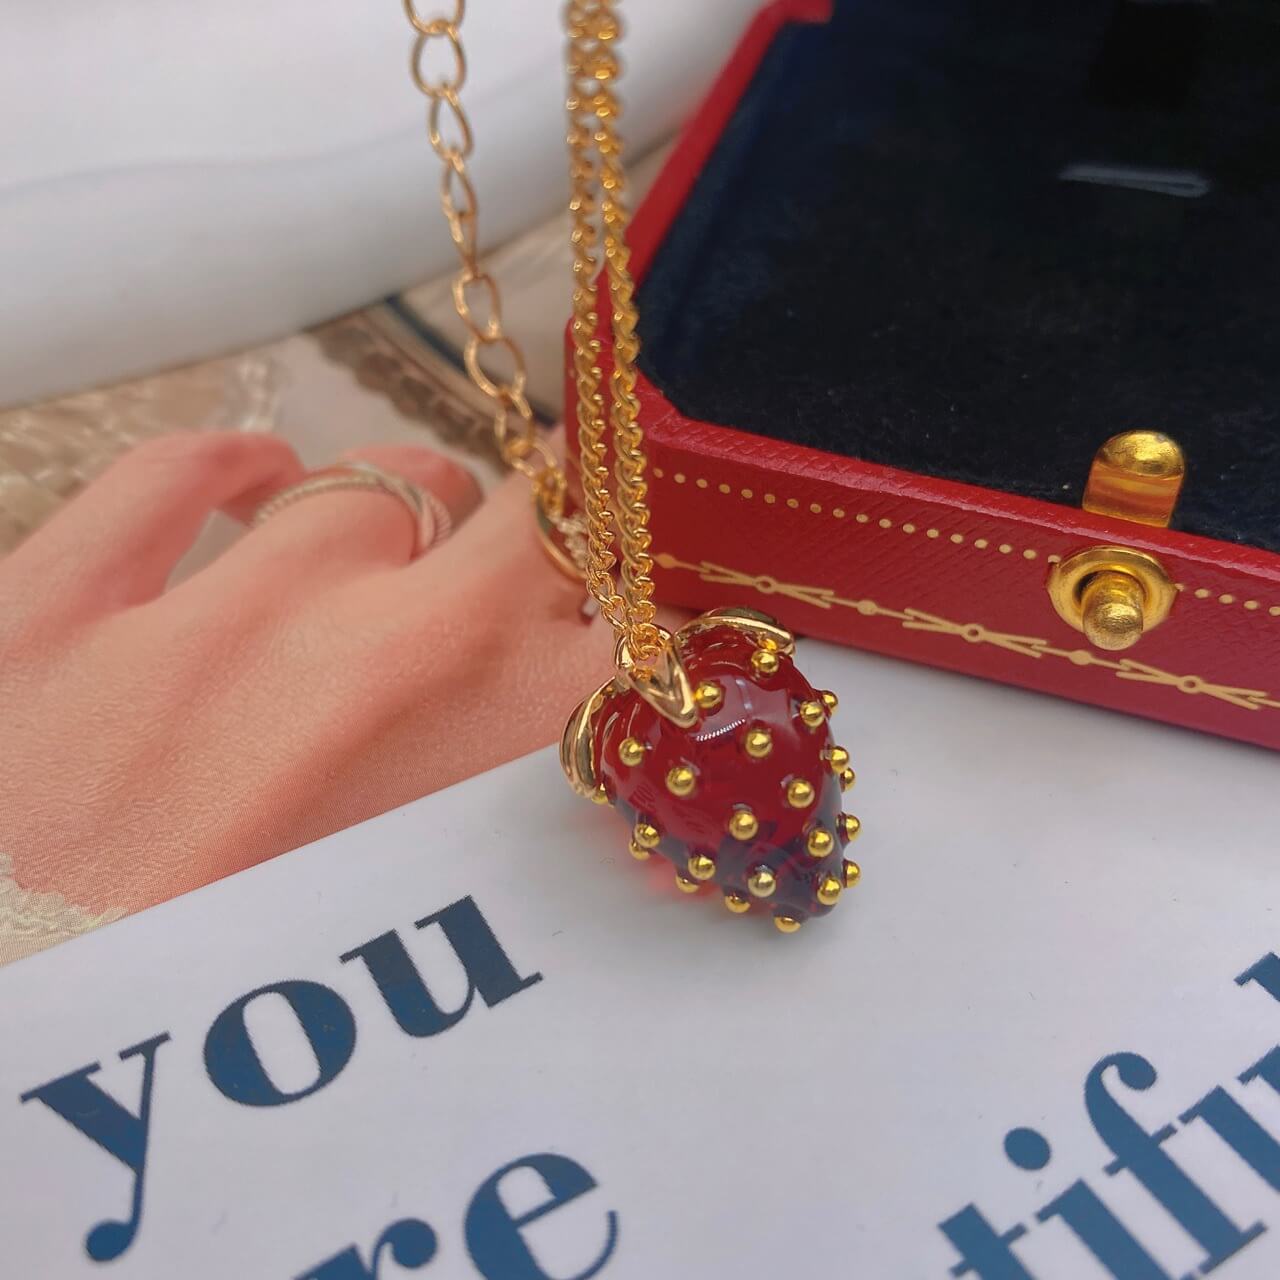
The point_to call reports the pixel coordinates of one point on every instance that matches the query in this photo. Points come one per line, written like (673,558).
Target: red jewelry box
(909,265)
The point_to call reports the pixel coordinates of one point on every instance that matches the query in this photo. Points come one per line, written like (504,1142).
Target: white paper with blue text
(472,1038)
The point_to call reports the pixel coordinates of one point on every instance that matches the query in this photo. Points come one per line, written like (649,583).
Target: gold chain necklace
(710,742)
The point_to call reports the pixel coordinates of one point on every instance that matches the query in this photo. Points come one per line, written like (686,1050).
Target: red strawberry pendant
(721,759)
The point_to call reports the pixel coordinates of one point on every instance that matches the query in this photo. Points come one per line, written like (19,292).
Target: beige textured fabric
(30,922)
(49,451)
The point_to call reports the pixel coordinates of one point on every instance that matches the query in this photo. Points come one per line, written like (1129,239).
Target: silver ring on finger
(431,519)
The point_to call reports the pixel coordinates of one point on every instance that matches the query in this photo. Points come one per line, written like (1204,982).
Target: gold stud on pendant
(813,714)
(820,842)
(762,882)
(837,758)
(786,924)
(646,835)
(700,867)
(829,891)
(737,902)
(743,825)
(708,695)
(682,780)
(757,743)
(638,851)
(630,752)
(850,826)
(600,795)
(852,874)
(685,884)
(764,662)
(800,793)
(829,699)
(847,779)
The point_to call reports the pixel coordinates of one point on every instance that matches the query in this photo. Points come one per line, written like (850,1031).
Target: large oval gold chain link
(596,178)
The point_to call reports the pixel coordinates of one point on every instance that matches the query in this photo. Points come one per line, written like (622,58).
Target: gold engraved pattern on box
(975,633)
(959,539)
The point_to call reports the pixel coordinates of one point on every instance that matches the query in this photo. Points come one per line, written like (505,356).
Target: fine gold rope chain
(596,179)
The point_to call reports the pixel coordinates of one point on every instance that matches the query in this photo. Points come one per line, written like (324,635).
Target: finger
(335,535)
(494,646)
(116,544)
(470,658)
(503,537)
(453,484)
(332,533)
(446,480)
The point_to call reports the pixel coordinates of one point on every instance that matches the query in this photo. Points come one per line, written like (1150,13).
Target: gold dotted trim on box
(958,539)
(976,633)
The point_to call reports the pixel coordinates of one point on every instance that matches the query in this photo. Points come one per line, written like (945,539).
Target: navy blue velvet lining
(884,259)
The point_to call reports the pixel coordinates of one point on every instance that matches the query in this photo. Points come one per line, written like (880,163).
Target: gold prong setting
(801,793)
(709,695)
(829,890)
(765,662)
(743,824)
(682,780)
(820,843)
(701,866)
(813,715)
(646,835)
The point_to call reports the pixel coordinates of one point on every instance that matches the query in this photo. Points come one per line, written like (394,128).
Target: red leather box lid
(932,570)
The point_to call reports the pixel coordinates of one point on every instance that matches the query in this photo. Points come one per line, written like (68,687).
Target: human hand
(312,676)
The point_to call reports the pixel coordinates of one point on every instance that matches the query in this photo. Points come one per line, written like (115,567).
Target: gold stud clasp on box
(1114,595)
(1137,476)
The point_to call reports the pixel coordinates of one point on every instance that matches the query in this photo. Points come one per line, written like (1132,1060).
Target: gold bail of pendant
(661,681)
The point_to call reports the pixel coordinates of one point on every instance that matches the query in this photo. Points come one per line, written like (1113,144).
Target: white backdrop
(180,180)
